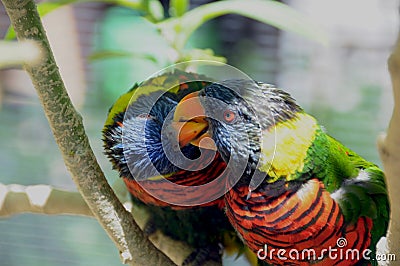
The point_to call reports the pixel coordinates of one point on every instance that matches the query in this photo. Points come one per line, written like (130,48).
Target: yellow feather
(159,83)
(251,257)
(159,177)
(284,147)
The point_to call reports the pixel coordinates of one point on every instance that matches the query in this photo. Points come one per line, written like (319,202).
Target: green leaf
(108,54)
(281,16)
(10,34)
(200,54)
(178,7)
(46,7)
(156,10)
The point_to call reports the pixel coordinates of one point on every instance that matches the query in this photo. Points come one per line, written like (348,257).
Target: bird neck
(285,146)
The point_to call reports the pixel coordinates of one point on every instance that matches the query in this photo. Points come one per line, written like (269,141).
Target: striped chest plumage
(164,187)
(296,221)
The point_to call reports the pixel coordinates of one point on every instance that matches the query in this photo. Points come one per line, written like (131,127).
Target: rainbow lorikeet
(139,116)
(300,189)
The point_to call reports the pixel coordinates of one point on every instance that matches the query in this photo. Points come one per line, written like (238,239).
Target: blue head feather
(136,148)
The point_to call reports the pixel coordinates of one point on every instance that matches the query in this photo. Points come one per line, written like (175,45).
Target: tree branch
(389,150)
(45,199)
(69,133)
(12,53)
(40,199)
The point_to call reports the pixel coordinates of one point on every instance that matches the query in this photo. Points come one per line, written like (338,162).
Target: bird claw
(201,255)
(149,228)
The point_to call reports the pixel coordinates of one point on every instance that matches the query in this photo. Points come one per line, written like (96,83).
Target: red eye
(144,116)
(229,116)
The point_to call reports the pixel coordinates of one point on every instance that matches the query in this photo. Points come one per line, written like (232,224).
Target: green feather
(359,185)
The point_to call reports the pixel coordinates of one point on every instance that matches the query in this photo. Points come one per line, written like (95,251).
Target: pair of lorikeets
(298,190)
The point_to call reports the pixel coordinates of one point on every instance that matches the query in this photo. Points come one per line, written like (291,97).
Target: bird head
(134,143)
(234,114)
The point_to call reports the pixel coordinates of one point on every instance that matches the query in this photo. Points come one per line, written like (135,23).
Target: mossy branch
(389,150)
(69,133)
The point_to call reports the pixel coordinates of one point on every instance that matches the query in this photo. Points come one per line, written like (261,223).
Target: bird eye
(229,116)
(144,115)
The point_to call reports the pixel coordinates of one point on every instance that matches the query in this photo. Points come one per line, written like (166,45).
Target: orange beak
(190,123)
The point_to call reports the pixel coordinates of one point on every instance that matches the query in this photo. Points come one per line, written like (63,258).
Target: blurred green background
(103,49)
